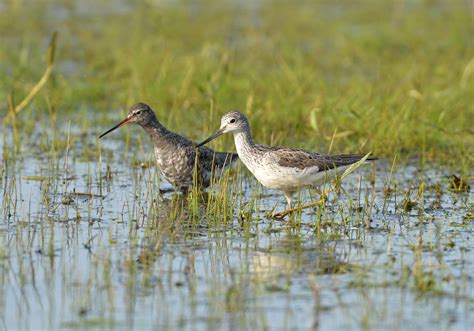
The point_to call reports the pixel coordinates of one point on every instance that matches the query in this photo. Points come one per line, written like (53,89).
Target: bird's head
(232,122)
(140,114)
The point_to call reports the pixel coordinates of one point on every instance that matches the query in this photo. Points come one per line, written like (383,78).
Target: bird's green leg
(290,210)
(288,196)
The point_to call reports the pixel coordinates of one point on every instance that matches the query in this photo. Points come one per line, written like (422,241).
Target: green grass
(395,78)
(387,77)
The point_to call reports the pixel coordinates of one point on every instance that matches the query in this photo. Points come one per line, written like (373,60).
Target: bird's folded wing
(303,159)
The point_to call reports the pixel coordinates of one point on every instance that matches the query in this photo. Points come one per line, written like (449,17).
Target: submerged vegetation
(89,238)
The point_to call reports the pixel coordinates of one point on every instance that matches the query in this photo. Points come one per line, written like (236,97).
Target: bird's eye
(232,120)
(138,112)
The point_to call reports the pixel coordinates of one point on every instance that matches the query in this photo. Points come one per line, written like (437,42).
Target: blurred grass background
(393,77)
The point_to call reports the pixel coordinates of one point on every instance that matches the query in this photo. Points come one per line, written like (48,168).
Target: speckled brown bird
(175,154)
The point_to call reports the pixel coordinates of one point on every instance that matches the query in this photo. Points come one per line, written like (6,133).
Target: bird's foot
(281,215)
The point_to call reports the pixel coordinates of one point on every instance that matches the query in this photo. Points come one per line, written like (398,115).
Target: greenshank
(280,168)
(176,155)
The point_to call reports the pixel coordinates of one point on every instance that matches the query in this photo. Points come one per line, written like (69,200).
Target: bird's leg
(292,210)
(288,196)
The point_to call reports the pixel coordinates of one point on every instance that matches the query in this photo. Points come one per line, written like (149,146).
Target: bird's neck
(156,131)
(243,142)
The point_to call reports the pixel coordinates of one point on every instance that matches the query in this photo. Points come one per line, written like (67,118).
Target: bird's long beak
(212,137)
(122,123)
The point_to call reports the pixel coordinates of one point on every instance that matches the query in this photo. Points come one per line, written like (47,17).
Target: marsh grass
(88,218)
(375,78)
(156,226)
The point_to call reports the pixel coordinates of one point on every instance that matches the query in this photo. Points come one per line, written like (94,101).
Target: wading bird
(280,168)
(176,155)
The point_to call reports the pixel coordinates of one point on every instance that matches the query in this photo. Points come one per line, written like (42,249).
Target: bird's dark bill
(212,137)
(122,123)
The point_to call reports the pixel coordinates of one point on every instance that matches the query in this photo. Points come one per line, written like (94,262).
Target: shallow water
(77,252)
(82,247)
